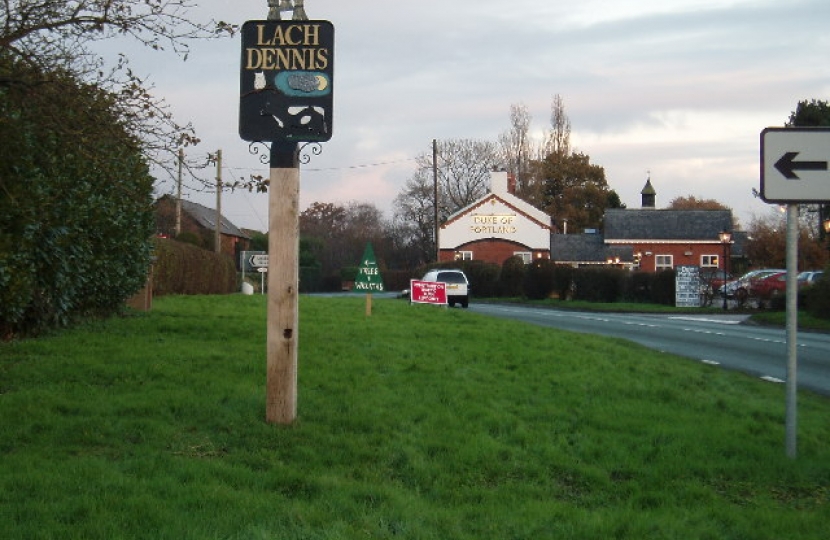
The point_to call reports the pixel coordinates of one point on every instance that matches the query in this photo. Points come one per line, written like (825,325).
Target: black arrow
(787,166)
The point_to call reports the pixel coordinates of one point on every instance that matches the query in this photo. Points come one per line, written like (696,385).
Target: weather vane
(295,6)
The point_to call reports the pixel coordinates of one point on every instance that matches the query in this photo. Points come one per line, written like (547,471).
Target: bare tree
(558,138)
(414,218)
(464,167)
(41,38)
(517,147)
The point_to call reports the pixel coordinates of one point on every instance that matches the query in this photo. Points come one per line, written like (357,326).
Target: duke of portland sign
(286,83)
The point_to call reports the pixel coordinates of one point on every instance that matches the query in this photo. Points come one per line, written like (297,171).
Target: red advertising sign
(427,292)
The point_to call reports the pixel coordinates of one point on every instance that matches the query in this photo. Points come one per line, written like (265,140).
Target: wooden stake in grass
(283,284)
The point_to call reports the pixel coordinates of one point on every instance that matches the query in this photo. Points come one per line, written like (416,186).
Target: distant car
(458,287)
(806,279)
(769,286)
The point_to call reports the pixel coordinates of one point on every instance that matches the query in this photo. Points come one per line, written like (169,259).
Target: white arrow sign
(794,165)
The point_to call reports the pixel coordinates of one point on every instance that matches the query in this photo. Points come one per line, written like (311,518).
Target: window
(663,262)
(709,261)
(527,257)
(463,255)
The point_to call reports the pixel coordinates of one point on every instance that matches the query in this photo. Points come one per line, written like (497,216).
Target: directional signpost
(794,165)
(794,169)
(368,277)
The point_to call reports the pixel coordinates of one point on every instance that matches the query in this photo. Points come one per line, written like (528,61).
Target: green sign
(368,276)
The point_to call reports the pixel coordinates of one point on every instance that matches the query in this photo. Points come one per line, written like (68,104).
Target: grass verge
(417,422)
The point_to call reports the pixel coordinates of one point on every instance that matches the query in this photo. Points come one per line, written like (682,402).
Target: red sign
(427,292)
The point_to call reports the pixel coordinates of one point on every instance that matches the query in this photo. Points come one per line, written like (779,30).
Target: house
(496,227)
(200,221)
(651,239)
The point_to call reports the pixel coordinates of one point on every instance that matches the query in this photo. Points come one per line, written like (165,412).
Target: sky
(675,90)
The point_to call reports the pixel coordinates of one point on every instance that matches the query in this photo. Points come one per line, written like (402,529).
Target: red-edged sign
(427,292)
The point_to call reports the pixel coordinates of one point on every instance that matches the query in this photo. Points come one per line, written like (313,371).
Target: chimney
(649,195)
(511,184)
(499,181)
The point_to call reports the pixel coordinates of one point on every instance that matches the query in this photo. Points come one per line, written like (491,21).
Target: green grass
(417,422)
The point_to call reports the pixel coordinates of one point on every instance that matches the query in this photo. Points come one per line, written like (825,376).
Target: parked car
(806,279)
(741,287)
(713,279)
(766,287)
(458,287)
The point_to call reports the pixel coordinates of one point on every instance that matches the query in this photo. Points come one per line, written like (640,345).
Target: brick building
(201,221)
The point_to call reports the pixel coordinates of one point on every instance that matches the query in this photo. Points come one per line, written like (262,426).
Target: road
(715,339)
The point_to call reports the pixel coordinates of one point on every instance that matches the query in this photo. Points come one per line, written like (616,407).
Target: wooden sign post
(283,284)
(285,97)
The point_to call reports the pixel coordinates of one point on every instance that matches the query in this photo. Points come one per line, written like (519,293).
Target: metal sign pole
(792,330)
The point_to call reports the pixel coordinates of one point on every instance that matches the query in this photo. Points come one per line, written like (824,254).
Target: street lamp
(725,238)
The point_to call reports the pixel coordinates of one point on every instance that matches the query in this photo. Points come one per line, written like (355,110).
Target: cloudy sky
(678,89)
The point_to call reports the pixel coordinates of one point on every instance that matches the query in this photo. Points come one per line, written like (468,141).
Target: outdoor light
(826,225)
(725,238)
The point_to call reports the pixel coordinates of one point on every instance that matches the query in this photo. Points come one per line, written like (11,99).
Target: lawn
(416,422)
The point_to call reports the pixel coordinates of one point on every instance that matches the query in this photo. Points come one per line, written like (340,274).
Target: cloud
(681,88)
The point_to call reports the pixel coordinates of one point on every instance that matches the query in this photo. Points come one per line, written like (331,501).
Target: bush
(818,304)
(539,279)
(663,287)
(511,277)
(563,281)
(75,211)
(186,269)
(599,284)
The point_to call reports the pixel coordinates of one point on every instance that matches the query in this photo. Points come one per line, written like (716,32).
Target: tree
(517,148)
(767,244)
(690,202)
(51,37)
(413,221)
(78,138)
(464,167)
(558,138)
(336,235)
(573,189)
(813,113)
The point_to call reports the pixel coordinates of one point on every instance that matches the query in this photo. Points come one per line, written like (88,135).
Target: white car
(458,286)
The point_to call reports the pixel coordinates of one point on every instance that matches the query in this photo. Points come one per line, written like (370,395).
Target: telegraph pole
(435,196)
(217,237)
(179,195)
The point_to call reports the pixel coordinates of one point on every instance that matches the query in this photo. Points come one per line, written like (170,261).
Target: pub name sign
(286,82)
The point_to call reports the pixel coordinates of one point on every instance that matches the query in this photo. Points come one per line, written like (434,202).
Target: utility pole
(179,195)
(217,237)
(435,196)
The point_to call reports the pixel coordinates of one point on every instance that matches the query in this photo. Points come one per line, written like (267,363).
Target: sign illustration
(286,81)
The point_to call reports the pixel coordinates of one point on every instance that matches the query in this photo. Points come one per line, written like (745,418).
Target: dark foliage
(75,203)
(511,277)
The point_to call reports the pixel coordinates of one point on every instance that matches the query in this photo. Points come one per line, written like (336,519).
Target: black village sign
(286,82)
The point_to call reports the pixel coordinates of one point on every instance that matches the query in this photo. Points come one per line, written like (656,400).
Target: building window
(709,261)
(463,255)
(663,262)
(527,257)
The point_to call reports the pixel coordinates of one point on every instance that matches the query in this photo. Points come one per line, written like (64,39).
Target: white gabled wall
(499,215)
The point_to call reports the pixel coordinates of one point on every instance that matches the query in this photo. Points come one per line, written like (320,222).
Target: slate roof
(587,249)
(678,225)
(207,219)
